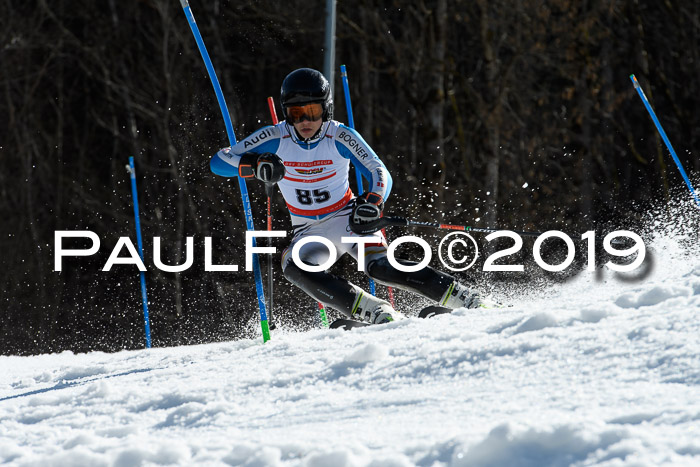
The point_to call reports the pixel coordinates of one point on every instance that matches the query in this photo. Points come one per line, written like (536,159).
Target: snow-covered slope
(600,372)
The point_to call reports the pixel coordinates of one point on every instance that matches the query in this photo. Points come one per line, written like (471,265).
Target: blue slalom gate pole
(232,141)
(640,91)
(351,120)
(134,194)
(358,175)
(351,124)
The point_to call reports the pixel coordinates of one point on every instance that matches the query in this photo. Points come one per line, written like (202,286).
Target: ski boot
(372,310)
(459,296)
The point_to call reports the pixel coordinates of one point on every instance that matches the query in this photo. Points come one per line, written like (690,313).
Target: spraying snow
(602,371)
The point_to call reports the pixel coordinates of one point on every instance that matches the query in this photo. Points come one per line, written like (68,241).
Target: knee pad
(382,271)
(427,282)
(323,287)
(294,273)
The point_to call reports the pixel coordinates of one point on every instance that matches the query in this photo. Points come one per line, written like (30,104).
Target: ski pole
(241,182)
(388,221)
(640,91)
(321,308)
(134,194)
(358,175)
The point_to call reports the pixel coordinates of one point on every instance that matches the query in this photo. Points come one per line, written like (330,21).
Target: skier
(308,156)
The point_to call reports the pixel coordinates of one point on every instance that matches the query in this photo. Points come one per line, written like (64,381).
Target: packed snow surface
(596,371)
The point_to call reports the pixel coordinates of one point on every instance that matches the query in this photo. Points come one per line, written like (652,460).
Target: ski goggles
(299,113)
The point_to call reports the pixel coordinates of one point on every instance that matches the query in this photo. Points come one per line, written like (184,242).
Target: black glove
(366,211)
(267,167)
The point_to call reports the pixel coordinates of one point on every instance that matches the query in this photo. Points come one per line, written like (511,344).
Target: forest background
(493,113)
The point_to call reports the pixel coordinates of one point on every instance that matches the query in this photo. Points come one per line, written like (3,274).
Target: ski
(347,324)
(427,312)
(433,310)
